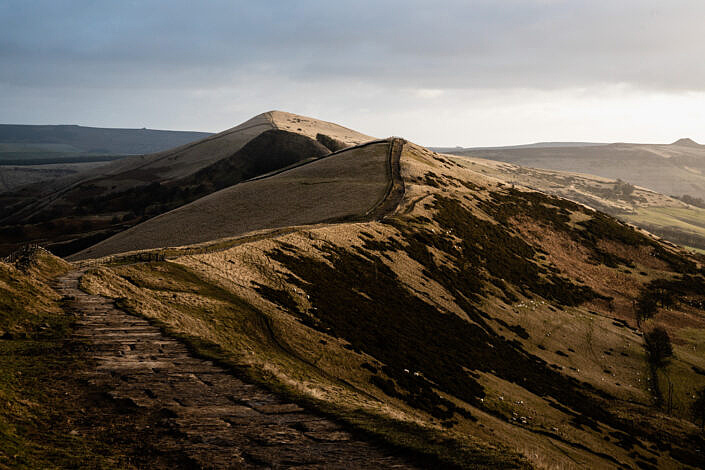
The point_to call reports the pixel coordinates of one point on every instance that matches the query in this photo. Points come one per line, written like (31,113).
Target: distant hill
(522,146)
(674,169)
(30,154)
(24,143)
(680,221)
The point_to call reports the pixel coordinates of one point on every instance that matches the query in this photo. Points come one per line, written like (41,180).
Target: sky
(442,73)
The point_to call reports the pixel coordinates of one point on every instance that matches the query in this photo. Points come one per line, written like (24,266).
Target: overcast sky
(438,72)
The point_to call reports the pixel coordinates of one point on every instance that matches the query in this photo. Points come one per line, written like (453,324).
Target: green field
(685,226)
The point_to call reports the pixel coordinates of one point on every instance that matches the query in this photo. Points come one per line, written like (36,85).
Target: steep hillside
(673,219)
(51,415)
(340,186)
(487,324)
(675,169)
(75,212)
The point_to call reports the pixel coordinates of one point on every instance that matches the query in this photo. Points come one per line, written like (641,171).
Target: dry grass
(218,297)
(343,186)
(35,416)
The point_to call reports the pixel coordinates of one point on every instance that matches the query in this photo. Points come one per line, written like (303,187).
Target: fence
(21,252)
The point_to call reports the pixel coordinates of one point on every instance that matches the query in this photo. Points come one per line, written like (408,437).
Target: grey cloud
(210,64)
(447,44)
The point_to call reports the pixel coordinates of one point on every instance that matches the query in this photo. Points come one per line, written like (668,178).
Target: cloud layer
(208,64)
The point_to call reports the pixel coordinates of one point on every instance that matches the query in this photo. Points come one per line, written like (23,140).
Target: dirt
(208,415)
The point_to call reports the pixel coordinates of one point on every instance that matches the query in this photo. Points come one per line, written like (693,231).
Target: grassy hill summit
(426,302)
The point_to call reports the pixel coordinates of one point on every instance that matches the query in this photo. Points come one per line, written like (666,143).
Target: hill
(22,173)
(522,146)
(674,169)
(74,212)
(339,186)
(476,320)
(28,142)
(29,154)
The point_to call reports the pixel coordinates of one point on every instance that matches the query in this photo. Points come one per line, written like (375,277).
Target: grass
(357,181)
(34,421)
(52,419)
(444,348)
(688,219)
(281,147)
(283,311)
(429,447)
(383,320)
(50,416)
(29,435)
(656,213)
(232,325)
(685,226)
(26,302)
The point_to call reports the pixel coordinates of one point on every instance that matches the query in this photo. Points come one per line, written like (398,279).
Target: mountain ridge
(98,203)
(359,176)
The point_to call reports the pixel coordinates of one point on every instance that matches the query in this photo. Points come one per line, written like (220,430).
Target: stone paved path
(218,420)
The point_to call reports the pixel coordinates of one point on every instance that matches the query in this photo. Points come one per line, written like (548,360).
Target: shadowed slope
(217,420)
(182,161)
(344,185)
